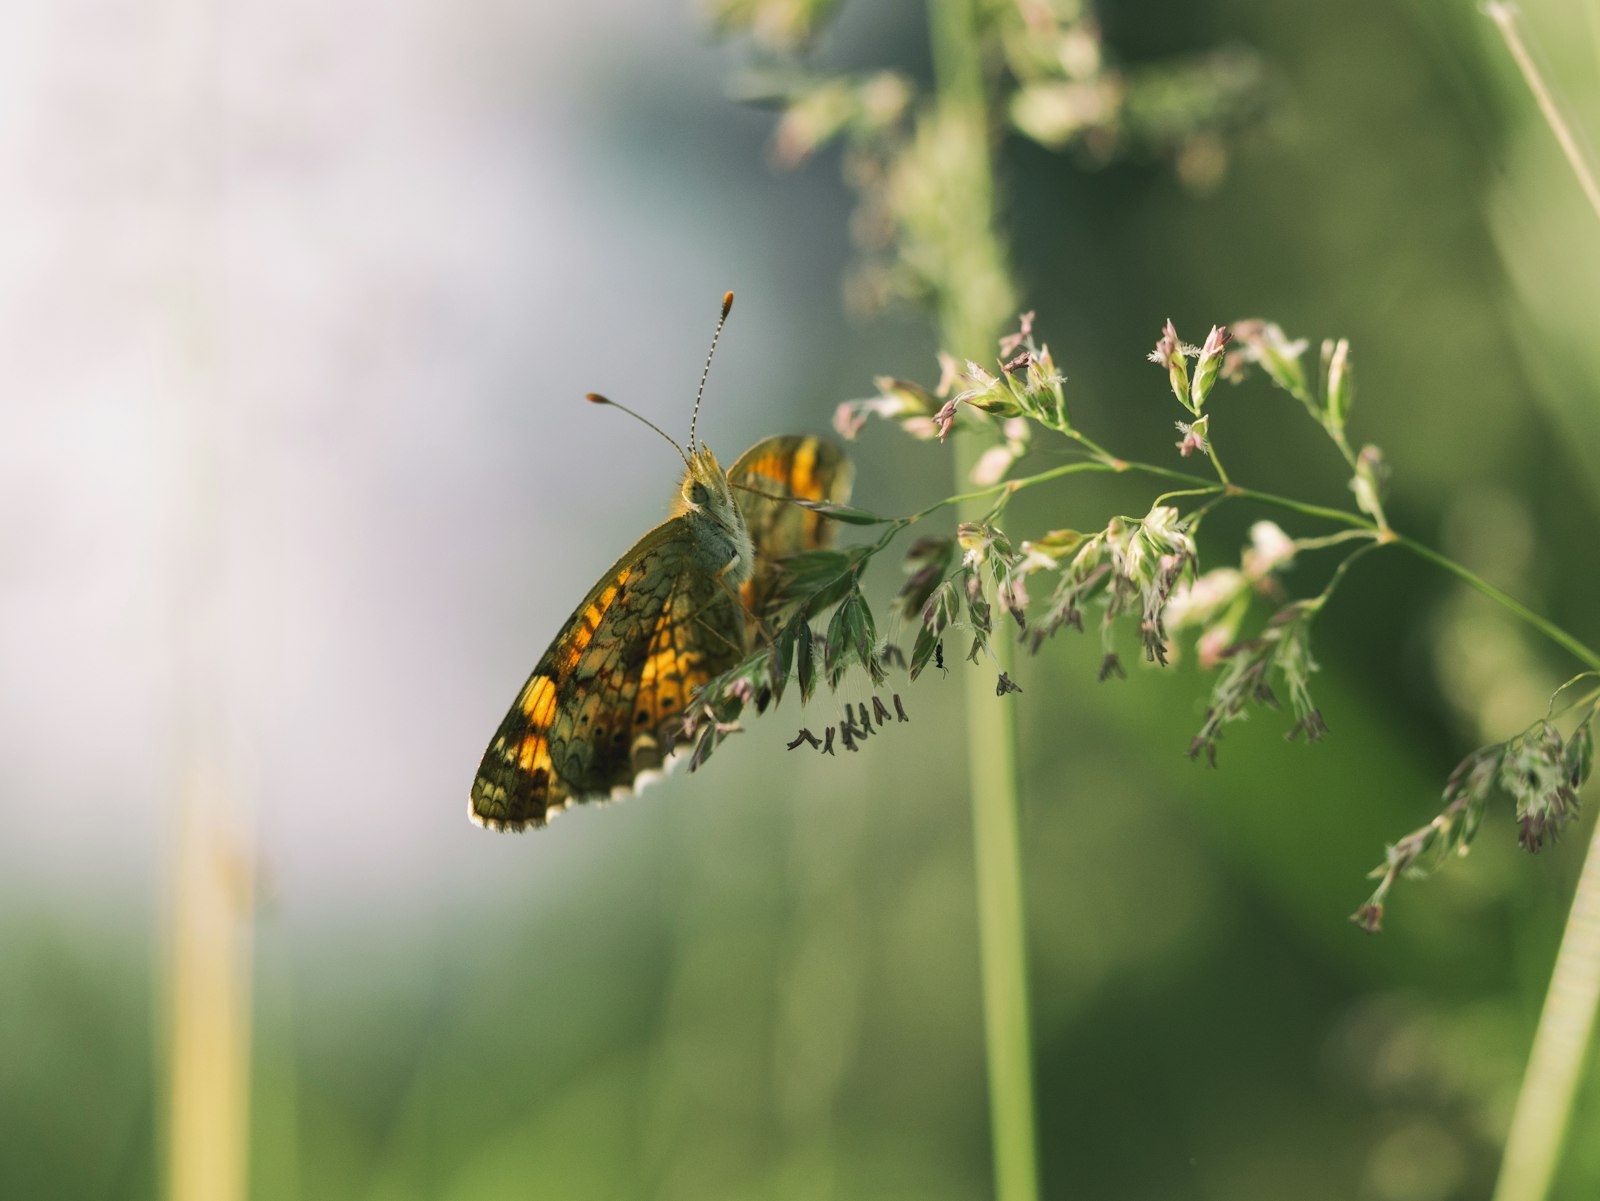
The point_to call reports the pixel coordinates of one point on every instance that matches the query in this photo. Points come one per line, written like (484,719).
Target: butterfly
(598,717)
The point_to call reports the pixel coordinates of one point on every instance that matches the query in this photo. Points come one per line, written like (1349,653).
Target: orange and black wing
(605,703)
(790,465)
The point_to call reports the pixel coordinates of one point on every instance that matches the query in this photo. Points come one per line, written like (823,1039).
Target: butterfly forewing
(605,703)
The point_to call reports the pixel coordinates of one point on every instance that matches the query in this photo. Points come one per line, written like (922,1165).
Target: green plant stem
(1288,504)
(1217,492)
(1566,1021)
(1560,1048)
(1196,486)
(1592,9)
(1216,465)
(1548,628)
(1327,540)
(1002,928)
(1588,699)
(1339,572)
(974,300)
(1505,18)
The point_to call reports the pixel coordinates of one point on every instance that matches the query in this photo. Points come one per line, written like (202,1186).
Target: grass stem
(975,299)
(1566,1020)
(1560,1048)
(209,1024)
(1505,19)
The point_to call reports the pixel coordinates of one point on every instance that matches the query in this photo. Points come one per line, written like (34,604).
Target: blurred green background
(299,303)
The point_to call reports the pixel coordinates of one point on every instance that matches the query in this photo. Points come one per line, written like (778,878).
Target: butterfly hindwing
(788,465)
(605,703)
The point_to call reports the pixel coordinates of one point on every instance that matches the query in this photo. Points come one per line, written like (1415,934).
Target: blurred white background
(300,301)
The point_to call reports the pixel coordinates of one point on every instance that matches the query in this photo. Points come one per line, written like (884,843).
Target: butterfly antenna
(596,399)
(727,306)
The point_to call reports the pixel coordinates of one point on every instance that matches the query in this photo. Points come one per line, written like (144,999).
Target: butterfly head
(707,496)
(705,489)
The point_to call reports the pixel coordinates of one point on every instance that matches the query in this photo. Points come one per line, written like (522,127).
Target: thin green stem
(974,300)
(1592,8)
(1560,1048)
(1550,1082)
(1016,485)
(1090,445)
(1193,519)
(1195,484)
(1342,516)
(1216,490)
(1586,699)
(1548,628)
(1327,540)
(1344,566)
(1216,463)
(1343,444)
(1505,19)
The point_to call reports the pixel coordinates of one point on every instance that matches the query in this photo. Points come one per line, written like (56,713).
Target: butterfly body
(600,713)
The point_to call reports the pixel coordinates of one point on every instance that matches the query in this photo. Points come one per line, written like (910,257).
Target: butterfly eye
(698,494)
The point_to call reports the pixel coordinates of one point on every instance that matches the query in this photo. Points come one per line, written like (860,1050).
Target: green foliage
(1140,573)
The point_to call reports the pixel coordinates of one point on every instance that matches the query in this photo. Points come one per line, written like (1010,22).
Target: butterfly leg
(710,626)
